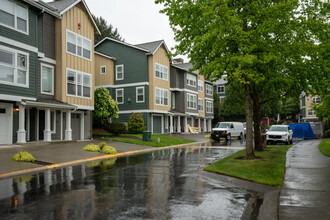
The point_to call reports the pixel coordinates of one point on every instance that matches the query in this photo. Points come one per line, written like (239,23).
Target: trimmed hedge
(327,134)
(92,147)
(23,156)
(108,150)
(116,128)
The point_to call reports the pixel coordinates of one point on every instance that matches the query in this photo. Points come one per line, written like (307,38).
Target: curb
(76,162)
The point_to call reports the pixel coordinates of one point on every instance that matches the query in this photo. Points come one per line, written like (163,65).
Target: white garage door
(6,124)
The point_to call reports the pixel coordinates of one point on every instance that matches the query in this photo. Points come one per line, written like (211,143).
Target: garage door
(5,125)
(75,126)
(157,124)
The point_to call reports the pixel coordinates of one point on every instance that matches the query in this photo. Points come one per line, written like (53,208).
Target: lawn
(164,140)
(325,147)
(267,170)
(101,133)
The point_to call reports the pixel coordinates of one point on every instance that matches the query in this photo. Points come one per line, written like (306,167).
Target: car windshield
(223,125)
(278,128)
(244,125)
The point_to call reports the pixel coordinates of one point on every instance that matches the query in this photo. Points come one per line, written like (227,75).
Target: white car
(227,130)
(279,133)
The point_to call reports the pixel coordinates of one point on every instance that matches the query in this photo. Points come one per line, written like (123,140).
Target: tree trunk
(248,112)
(256,120)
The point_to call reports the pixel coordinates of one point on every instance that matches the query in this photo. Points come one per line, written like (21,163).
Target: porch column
(21,133)
(179,125)
(210,125)
(204,124)
(192,122)
(28,124)
(68,131)
(171,123)
(199,125)
(47,132)
(185,124)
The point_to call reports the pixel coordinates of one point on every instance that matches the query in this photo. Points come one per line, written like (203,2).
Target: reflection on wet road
(160,185)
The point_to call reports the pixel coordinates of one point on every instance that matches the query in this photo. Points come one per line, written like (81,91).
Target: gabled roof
(153,46)
(44,7)
(63,6)
(185,66)
(120,42)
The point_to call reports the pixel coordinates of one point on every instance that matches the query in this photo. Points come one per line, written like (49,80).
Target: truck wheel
(240,137)
(228,137)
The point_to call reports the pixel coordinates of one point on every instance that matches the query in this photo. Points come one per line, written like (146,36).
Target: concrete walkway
(305,192)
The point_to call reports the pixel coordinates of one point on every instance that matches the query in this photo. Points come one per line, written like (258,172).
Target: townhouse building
(46,70)
(220,87)
(306,107)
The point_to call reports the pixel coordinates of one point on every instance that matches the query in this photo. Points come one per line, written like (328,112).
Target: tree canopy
(107,30)
(264,46)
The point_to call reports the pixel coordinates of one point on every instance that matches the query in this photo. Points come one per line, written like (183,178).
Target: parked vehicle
(227,130)
(279,133)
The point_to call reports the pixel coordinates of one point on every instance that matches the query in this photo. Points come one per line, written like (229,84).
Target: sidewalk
(306,187)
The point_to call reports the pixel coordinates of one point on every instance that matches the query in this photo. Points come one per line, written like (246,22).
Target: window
(221,89)
(14,67)
(209,89)
(209,107)
(311,111)
(191,80)
(14,16)
(316,100)
(79,84)
(78,45)
(200,85)
(307,99)
(103,70)
(120,72)
(191,101)
(200,105)
(161,97)
(161,72)
(120,96)
(139,94)
(53,121)
(173,100)
(47,79)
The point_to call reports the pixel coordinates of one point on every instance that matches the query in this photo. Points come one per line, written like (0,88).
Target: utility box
(146,136)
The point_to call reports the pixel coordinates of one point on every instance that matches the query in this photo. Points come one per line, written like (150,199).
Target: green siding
(135,61)
(30,38)
(146,118)
(31,91)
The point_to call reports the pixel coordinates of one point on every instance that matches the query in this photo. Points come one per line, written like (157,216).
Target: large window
(200,105)
(139,94)
(161,72)
(191,79)
(191,101)
(221,89)
(14,67)
(200,85)
(209,107)
(120,72)
(161,96)
(47,79)
(78,45)
(14,16)
(316,100)
(78,84)
(173,100)
(120,96)
(311,111)
(209,89)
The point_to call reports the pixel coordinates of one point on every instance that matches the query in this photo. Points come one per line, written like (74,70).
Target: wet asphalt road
(160,185)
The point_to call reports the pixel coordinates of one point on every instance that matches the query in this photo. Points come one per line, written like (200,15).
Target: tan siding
(201,95)
(108,78)
(64,60)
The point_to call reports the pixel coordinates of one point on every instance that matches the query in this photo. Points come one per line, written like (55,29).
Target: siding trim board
(18,44)
(183,90)
(48,60)
(15,98)
(103,55)
(124,85)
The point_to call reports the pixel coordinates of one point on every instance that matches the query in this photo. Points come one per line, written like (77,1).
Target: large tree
(107,30)
(262,45)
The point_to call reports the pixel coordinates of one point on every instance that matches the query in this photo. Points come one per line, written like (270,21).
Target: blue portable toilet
(302,130)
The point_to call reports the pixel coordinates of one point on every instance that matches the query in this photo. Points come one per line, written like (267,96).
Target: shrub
(23,156)
(92,147)
(109,150)
(136,124)
(327,133)
(116,128)
(102,145)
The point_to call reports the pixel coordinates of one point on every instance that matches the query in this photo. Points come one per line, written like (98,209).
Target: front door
(6,124)
(157,124)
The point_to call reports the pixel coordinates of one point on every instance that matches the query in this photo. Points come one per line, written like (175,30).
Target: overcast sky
(138,21)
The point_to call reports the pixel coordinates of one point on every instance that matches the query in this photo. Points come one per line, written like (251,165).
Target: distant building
(220,87)
(306,109)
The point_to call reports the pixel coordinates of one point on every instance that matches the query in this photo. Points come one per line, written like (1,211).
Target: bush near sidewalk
(103,148)
(267,169)
(325,147)
(23,156)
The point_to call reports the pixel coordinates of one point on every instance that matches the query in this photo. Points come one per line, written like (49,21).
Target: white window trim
(189,94)
(52,67)
(161,77)
(173,100)
(121,65)
(189,74)
(208,107)
(209,89)
(221,87)
(105,67)
(15,70)
(53,132)
(76,71)
(200,84)
(310,110)
(117,96)
(137,88)
(66,45)
(202,105)
(15,20)
(168,99)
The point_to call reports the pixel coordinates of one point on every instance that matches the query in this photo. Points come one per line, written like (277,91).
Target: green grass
(267,170)
(164,140)
(102,134)
(325,147)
